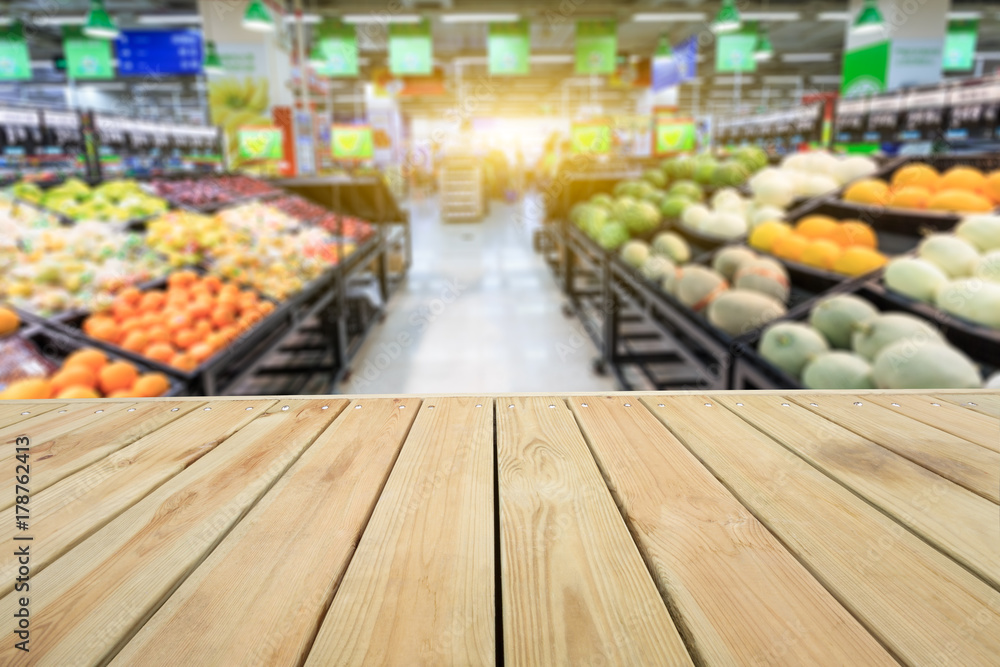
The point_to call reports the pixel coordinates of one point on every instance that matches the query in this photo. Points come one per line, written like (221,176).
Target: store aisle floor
(480,312)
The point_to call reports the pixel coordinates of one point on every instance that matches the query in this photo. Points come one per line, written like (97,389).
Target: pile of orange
(9,322)
(849,247)
(961,189)
(182,326)
(87,373)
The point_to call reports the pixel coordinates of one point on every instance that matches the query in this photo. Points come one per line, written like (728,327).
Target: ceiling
(808,51)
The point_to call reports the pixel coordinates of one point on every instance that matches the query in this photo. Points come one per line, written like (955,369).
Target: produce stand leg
(609,304)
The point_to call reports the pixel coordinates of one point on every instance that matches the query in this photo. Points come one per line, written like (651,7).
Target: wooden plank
(954,458)
(65,513)
(88,603)
(13,413)
(420,588)
(575,587)
(736,591)
(288,554)
(959,421)
(920,603)
(954,519)
(73,437)
(987,404)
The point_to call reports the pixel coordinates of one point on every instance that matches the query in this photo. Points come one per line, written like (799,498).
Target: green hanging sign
(260,143)
(865,70)
(86,58)
(352,142)
(411,50)
(338,42)
(674,136)
(596,47)
(590,138)
(509,45)
(734,52)
(960,45)
(15,63)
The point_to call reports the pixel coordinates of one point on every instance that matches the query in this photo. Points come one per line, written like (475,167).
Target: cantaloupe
(635,253)
(656,268)
(982,231)
(988,267)
(953,255)
(791,345)
(909,364)
(729,259)
(836,317)
(972,299)
(695,286)
(838,370)
(914,277)
(738,311)
(888,328)
(763,275)
(672,246)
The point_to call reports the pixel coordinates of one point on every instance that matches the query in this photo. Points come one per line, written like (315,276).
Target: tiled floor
(480,312)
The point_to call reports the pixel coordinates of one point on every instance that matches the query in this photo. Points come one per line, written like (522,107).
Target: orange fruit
(178,321)
(9,322)
(121,393)
(228,333)
(790,246)
(992,187)
(89,357)
(29,389)
(200,307)
(266,307)
(870,191)
(130,296)
(855,233)
(959,201)
(152,300)
(135,341)
(909,196)
(122,310)
(858,261)
(78,391)
(969,179)
(158,334)
(185,338)
(201,351)
(216,341)
(183,361)
(181,278)
(150,385)
(918,174)
(105,329)
(130,325)
(821,254)
(202,328)
(223,315)
(93,321)
(117,375)
(162,352)
(73,376)
(815,227)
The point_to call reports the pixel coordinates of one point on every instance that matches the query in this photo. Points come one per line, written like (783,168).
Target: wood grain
(71,441)
(915,599)
(13,413)
(67,512)
(969,465)
(259,597)
(740,596)
(987,404)
(89,602)
(959,421)
(957,521)
(567,555)
(420,588)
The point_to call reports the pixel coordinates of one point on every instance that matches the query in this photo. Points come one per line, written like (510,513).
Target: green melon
(973,299)
(672,206)
(871,336)
(927,364)
(657,268)
(635,253)
(982,231)
(953,255)
(763,275)
(612,235)
(835,317)
(603,200)
(695,286)
(988,267)
(739,311)
(914,277)
(640,217)
(730,258)
(672,246)
(838,370)
(791,345)
(655,177)
(688,189)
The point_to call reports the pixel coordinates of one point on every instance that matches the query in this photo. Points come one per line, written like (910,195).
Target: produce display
(848,247)
(182,326)
(16,216)
(919,186)
(299,208)
(810,174)
(113,201)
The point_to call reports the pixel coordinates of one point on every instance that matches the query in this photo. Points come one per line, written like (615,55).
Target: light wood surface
(566,552)
(759,529)
(420,588)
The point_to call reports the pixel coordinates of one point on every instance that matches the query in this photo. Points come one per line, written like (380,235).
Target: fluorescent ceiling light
(117,85)
(306,18)
(834,16)
(60,20)
(552,58)
(508,17)
(668,17)
(775,80)
(806,57)
(471,60)
(964,16)
(375,18)
(771,16)
(731,80)
(170,19)
(826,79)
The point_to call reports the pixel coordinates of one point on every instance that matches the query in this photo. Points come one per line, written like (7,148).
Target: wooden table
(626,529)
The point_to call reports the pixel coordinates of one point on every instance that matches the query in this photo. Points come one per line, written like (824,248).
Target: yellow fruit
(959,201)
(117,375)
(790,247)
(89,357)
(821,254)
(30,389)
(761,238)
(855,233)
(151,385)
(78,391)
(919,175)
(816,227)
(9,322)
(910,196)
(869,191)
(858,261)
(969,179)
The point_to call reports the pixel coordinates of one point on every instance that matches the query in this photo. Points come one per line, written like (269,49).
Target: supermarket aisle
(479,313)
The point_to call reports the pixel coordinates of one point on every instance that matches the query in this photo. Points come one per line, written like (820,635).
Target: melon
(993,382)
(853,168)
(672,246)
(763,213)
(612,236)
(657,268)
(635,253)
(838,370)
(871,336)
(688,189)
(771,187)
(914,277)
(725,225)
(655,177)
(603,200)
(953,255)
(729,259)
(763,275)
(672,206)
(727,199)
(791,345)
(988,267)
(982,231)
(927,364)
(695,286)
(972,299)
(836,317)
(694,216)
(739,311)
(817,184)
